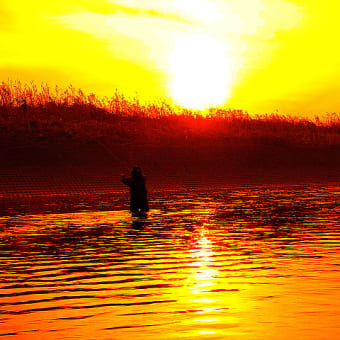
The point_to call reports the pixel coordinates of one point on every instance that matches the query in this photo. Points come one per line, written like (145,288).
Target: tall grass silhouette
(28,109)
(66,139)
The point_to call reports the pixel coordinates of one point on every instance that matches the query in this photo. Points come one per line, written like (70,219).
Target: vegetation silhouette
(71,112)
(70,127)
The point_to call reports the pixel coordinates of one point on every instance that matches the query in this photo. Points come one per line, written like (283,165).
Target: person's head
(136,172)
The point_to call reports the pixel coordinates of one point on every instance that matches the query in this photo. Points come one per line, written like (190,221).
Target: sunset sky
(256,55)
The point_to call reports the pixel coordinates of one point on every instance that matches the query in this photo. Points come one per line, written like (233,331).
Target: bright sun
(199,64)
(200,71)
(196,52)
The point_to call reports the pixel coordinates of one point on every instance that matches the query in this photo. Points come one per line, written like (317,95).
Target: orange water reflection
(202,281)
(241,265)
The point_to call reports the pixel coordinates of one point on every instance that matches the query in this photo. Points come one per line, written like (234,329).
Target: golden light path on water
(202,281)
(242,263)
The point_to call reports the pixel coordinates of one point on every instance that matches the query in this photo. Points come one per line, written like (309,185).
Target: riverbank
(72,143)
(58,166)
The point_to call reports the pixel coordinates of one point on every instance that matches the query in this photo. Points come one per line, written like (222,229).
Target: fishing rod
(113,157)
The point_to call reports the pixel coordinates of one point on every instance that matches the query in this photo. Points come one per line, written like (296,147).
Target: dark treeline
(27,110)
(63,126)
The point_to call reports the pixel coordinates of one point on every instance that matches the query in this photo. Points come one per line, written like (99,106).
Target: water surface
(237,263)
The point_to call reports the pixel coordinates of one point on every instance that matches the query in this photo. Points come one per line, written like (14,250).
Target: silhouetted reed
(42,111)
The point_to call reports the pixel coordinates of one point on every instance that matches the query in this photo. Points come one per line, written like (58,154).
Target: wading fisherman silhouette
(138,194)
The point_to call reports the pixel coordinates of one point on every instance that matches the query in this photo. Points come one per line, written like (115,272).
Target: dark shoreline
(49,150)
(68,142)
(59,166)
(58,175)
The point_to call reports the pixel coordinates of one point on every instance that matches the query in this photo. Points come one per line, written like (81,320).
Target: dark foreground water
(240,263)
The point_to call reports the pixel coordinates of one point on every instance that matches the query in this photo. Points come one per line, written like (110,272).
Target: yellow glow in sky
(201,71)
(256,55)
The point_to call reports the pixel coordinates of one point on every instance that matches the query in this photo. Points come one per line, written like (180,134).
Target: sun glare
(255,55)
(192,51)
(200,71)
(199,9)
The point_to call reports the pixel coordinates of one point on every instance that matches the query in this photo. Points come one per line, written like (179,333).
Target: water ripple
(215,265)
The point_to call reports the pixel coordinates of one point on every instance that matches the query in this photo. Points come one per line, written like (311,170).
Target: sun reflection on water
(236,264)
(202,280)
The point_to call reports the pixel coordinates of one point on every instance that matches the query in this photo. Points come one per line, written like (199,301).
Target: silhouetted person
(138,193)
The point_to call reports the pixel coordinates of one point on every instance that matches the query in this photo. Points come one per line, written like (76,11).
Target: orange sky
(256,55)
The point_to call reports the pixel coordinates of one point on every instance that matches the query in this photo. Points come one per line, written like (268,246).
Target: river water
(238,263)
